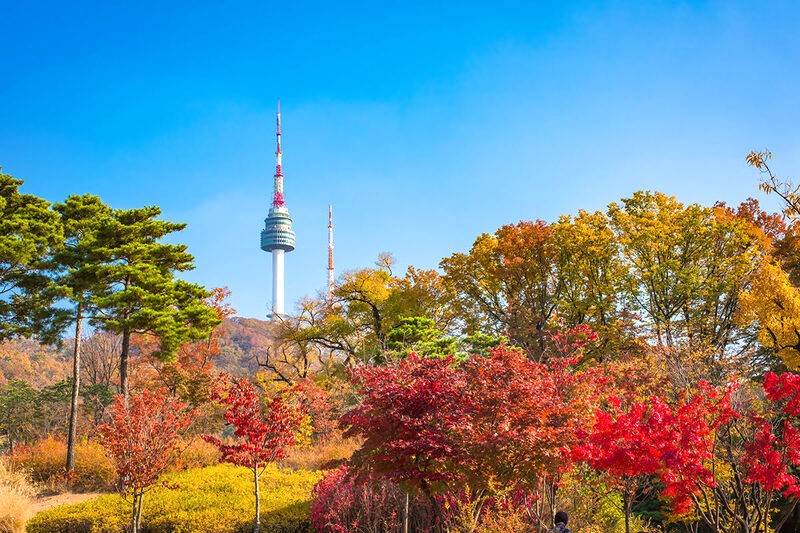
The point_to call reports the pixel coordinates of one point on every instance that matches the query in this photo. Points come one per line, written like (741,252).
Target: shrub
(45,460)
(216,499)
(342,504)
(196,453)
(106,514)
(16,499)
(316,456)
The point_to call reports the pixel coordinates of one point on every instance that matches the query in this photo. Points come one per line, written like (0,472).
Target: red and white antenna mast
(277,198)
(330,254)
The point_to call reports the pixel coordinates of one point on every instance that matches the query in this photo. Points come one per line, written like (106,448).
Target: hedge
(215,499)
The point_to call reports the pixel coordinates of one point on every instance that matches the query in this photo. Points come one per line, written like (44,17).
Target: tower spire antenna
(277,196)
(277,237)
(330,254)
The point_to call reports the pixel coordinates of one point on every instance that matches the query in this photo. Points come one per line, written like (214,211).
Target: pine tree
(141,293)
(29,230)
(81,217)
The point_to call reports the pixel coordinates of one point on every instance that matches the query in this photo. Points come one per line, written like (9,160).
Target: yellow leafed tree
(774,304)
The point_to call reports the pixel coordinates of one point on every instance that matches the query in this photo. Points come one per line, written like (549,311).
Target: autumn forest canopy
(636,367)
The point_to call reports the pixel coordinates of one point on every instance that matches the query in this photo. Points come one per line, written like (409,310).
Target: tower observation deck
(277,237)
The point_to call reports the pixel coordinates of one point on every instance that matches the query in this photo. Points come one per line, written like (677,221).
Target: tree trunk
(10,433)
(137,510)
(123,366)
(405,515)
(257,522)
(627,504)
(76,383)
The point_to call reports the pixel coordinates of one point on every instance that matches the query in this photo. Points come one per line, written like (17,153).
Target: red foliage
(774,453)
(261,436)
(517,418)
(491,424)
(406,417)
(672,442)
(570,342)
(141,438)
(784,388)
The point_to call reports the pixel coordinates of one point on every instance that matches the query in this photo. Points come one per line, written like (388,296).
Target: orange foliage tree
(190,373)
(141,438)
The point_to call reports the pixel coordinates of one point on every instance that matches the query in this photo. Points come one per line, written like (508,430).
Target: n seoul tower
(277,236)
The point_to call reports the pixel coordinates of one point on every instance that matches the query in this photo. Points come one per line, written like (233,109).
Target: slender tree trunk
(10,433)
(123,366)
(76,383)
(476,514)
(257,522)
(405,515)
(135,512)
(139,511)
(627,504)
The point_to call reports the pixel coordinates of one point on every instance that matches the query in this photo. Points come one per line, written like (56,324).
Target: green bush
(216,499)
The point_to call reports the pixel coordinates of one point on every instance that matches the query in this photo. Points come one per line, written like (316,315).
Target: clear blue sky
(423,123)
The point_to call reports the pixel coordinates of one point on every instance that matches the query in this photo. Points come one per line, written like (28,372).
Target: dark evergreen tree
(29,231)
(79,281)
(140,291)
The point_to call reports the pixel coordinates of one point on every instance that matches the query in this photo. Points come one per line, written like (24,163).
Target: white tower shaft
(277,282)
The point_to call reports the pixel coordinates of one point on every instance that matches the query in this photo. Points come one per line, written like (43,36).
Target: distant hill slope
(242,342)
(30,361)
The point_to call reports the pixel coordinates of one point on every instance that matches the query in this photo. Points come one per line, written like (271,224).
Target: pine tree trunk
(76,383)
(123,366)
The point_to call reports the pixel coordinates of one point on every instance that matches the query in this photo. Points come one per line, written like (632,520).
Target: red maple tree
(487,426)
(673,442)
(773,456)
(405,418)
(263,431)
(141,438)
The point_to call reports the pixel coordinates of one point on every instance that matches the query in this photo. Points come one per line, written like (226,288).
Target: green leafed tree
(29,230)
(686,267)
(418,334)
(19,412)
(140,292)
(78,264)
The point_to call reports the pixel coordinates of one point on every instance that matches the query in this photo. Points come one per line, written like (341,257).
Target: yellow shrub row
(215,499)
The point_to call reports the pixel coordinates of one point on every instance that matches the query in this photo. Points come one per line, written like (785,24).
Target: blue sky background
(423,123)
